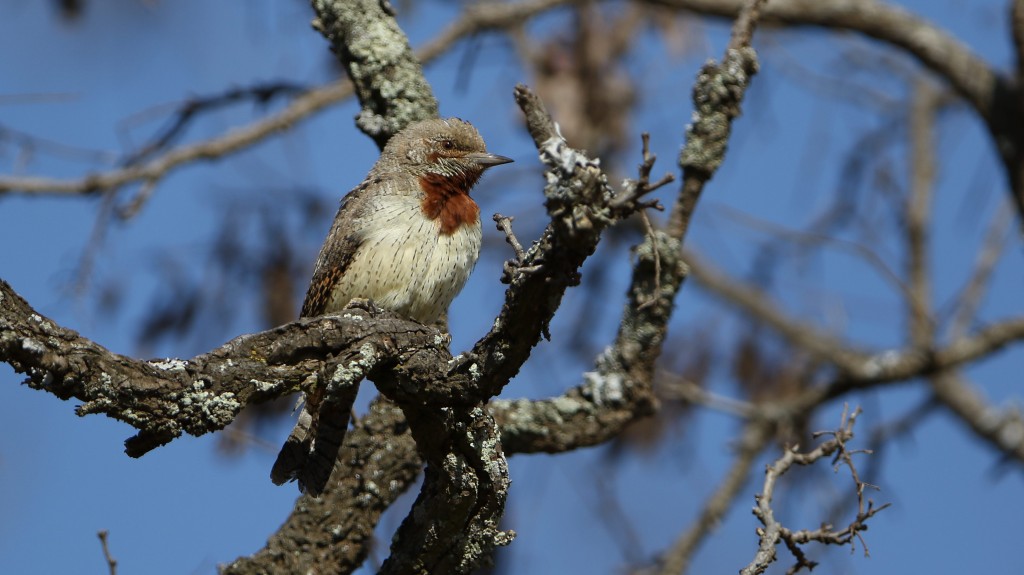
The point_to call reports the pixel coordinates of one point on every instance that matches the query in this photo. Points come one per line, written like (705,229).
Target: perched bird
(406,238)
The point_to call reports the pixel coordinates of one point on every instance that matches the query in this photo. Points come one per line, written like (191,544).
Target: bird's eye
(448,144)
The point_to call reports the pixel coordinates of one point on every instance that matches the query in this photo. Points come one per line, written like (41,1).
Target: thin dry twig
(628,199)
(773,531)
(649,230)
(111,562)
(917,214)
(509,269)
(967,303)
(676,387)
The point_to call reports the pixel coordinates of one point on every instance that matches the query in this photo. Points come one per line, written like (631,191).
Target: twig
(192,108)
(867,253)
(653,297)
(676,387)
(628,198)
(763,309)
(917,214)
(967,303)
(29,144)
(773,531)
(716,96)
(509,268)
(132,208)
(111,562)
(92,246)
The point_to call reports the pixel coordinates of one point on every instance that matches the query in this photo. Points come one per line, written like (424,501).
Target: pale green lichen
(263,386)
(204,410)
(355,370)
(33,346)
(170,364)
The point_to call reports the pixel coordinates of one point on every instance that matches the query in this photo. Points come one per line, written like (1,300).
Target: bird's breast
(407,263)
(446,199)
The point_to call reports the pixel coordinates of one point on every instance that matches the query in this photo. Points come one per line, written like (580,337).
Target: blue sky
(186,507)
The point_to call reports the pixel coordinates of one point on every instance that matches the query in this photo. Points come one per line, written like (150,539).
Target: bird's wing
(311,449)
(339,248)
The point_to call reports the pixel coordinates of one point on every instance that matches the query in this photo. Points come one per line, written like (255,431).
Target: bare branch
(759,307)
(158,167)
(509,269)
(717,95)
(1001,428)
(970,297)
(387,75)
(918,212)
(578,202)
(301,108)
(673,386)
(111,562)
(774,531)
(969,75)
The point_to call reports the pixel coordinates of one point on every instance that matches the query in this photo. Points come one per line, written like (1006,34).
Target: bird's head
(443,149)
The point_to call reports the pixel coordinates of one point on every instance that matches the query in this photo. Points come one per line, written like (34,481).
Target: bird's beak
(485,160)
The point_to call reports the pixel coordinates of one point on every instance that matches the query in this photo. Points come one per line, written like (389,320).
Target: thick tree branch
(388,78)
(618,390)
(717,95)
(164,398)
(579,202)
(453,525)
(334,532)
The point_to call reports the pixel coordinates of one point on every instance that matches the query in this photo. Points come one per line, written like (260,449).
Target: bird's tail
(309,453)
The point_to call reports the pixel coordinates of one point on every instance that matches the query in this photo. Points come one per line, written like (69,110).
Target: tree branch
(388,78)
(164,398)
(969,75)
(774,531)
(474,20)
(1001,428)
(995,97)
(334,532)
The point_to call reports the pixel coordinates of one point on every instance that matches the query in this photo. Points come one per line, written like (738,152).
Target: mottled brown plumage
(407,239)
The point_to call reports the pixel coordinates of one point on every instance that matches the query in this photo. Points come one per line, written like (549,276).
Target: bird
(406,239)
